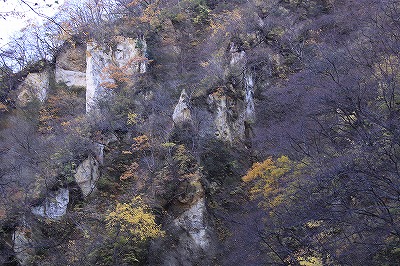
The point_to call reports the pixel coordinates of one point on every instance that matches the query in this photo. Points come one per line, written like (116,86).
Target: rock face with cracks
(233,107)
(54,206)
(191,232)
(128,56)
(71,66)
(250,113)
(23,246)
(87,175)
(35,86)
(182,112)
(96,61)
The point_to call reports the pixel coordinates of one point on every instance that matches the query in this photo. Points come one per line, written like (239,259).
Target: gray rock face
(71,66)
(87,175)
(236,55)
(72,58)
(233,114)
(129,56)
(70,78)
(194,223)
(218,102)
(249,113)
(35,86)
(23,246)
(54,206)
(191,233)
(98,149)
(182,112)
(96,61)
(194,244)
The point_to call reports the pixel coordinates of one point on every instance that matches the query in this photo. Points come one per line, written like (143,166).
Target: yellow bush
(135,219)
(273,180)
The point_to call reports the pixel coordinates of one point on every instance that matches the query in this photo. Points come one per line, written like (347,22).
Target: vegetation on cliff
(283,150)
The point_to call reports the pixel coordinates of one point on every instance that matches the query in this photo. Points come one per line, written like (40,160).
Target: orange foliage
(140,143)
(130,172)
(113,75)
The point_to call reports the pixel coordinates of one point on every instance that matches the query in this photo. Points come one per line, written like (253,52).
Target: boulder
(54,206)
(34,86)
(87,175)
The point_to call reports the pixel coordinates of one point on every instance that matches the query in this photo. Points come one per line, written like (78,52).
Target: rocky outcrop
(234,107)
(218,102)
(191,233)
(194,223)
(72,57)
(100,143)
(23,246)
(70,78)
(249,112)
(54,206)
(236,54)
(87,175)
(98,150)
(128,56)
(34,86)
(182,112)
(71,66)
(96,62)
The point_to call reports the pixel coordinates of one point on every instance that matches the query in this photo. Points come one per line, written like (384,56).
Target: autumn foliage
(135,219)
(272,180)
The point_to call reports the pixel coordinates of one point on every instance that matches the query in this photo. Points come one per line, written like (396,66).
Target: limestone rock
(71,66)
(219,100)
(96,61)
(54,206)
(70,78)
(233,114)
(87,175)
(236,55)
(129,56)
(182,112)
(98,149)
(100,143)
(249,98)
(192,235)
(72,58)
(194,223)
(23,247)
(35,86)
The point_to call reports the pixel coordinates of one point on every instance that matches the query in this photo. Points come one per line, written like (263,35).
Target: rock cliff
(87,174)
(54,205)
(127,57)
(34,86)
(70,67)
(182,112)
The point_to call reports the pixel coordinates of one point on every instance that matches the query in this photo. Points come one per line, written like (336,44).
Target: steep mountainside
(202,132)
